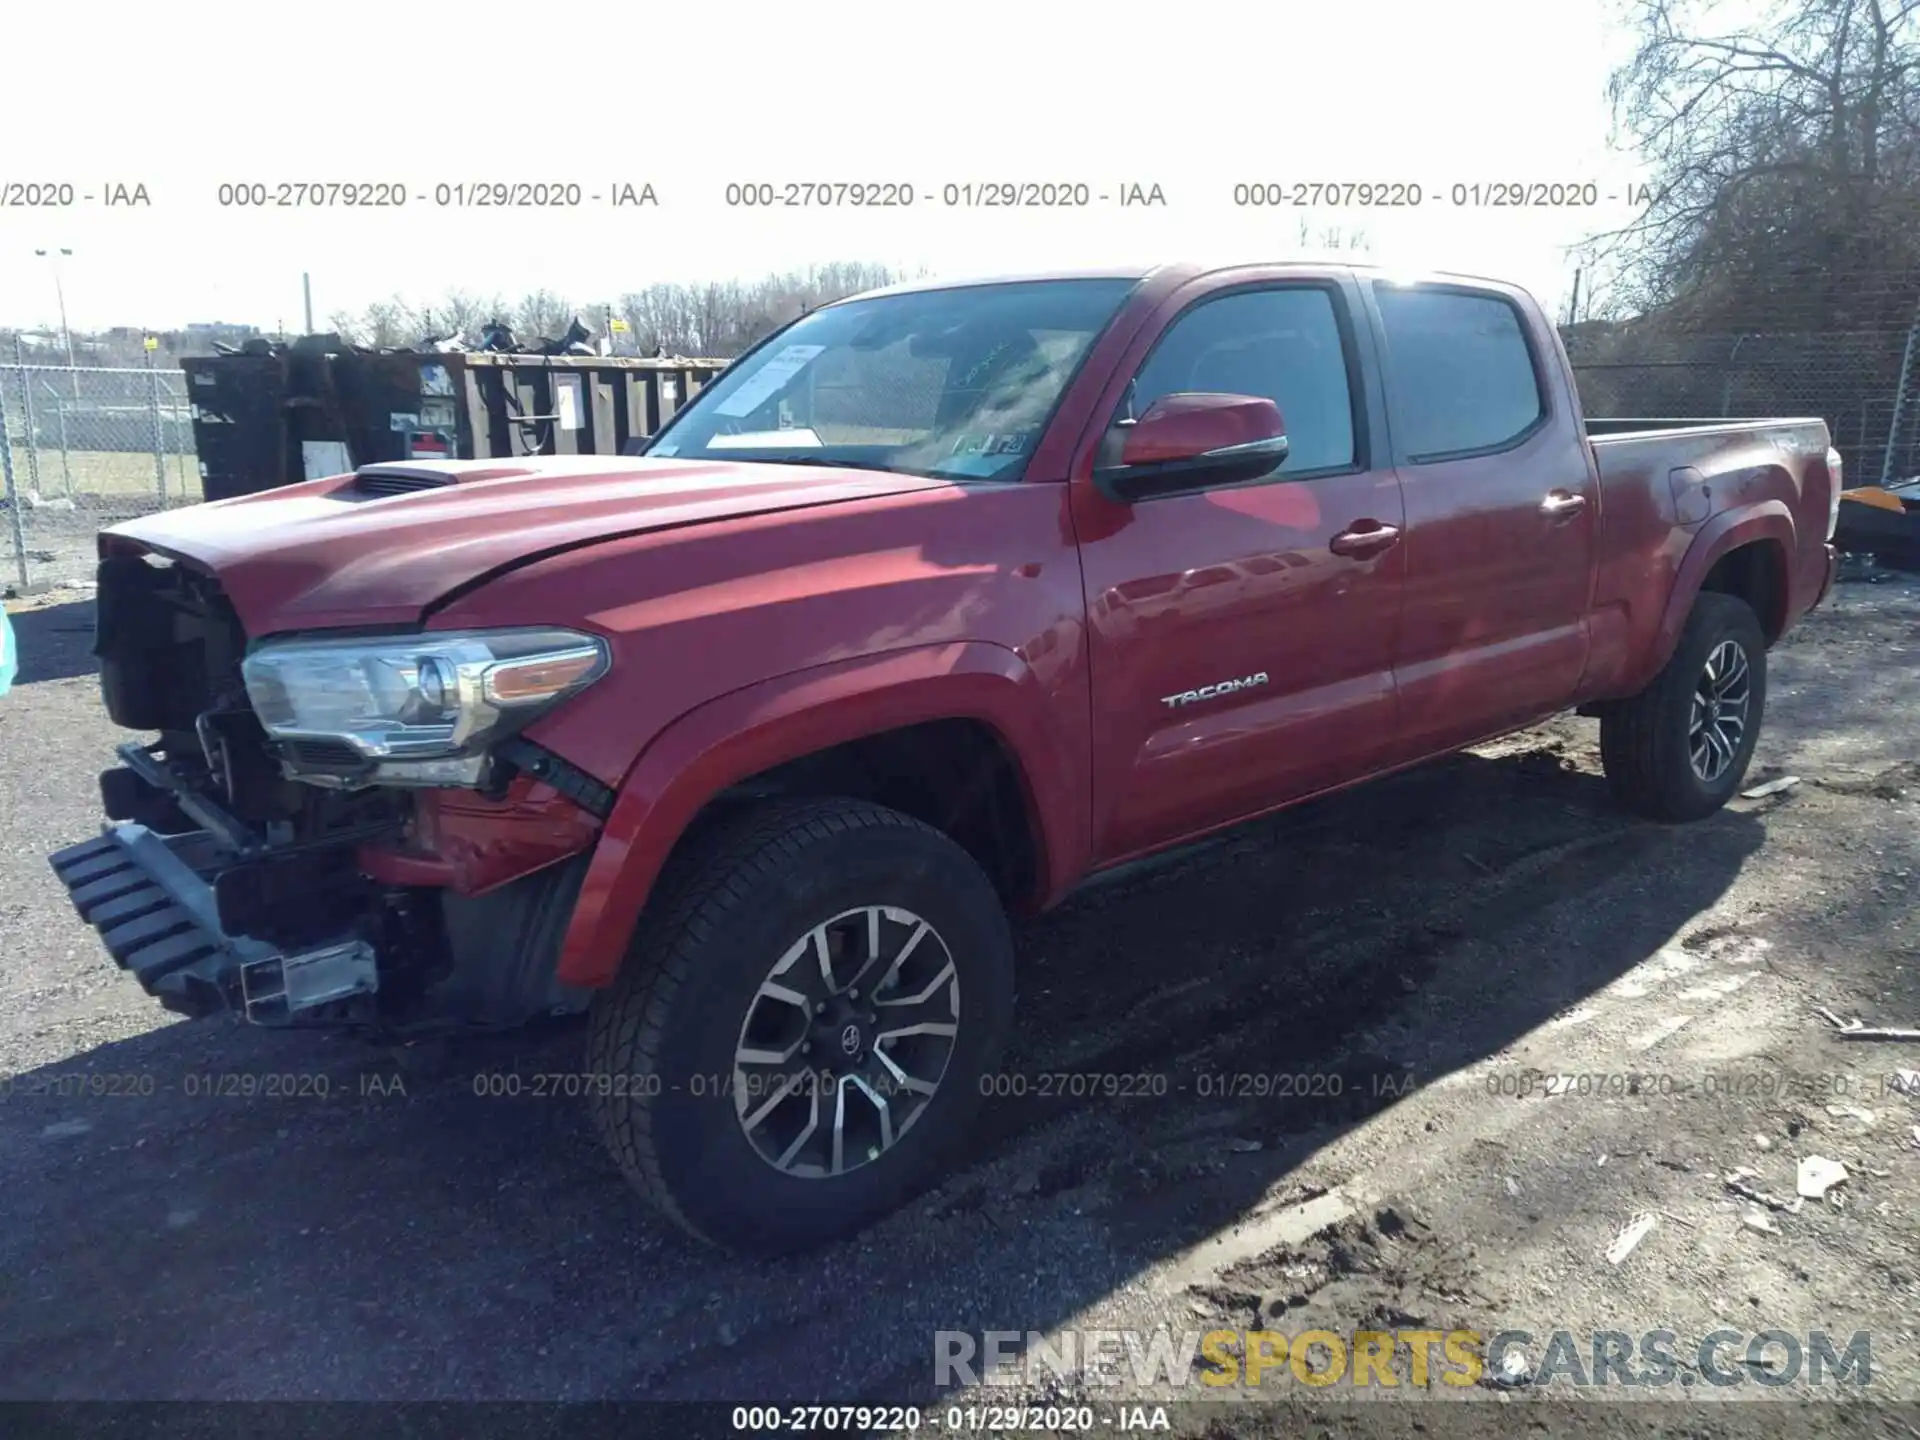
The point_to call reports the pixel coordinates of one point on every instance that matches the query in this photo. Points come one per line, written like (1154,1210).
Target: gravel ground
(57,538)
(1421,947)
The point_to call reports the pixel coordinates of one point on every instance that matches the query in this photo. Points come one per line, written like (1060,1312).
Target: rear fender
(740,734)
(1766,520)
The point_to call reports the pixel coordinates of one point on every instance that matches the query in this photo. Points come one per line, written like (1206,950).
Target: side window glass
(1463,376)
(1281,344)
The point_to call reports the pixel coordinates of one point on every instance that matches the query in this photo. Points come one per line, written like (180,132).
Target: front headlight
(419,709)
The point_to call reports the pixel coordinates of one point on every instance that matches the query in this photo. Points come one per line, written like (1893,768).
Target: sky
(1195,98)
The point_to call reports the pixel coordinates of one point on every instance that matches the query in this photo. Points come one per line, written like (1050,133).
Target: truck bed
(1657,475)
(1645,452)
(1602,427)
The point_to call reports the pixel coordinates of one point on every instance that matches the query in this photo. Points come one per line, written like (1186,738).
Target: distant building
(207,331)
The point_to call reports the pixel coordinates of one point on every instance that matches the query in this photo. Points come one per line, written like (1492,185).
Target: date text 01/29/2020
(1712,1084)
(951,195)
(1460,195)
(456,195)
(976,1419)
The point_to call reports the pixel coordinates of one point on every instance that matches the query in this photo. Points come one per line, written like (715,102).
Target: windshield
(953,382)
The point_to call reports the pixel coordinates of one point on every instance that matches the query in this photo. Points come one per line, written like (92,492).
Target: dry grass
(115,474)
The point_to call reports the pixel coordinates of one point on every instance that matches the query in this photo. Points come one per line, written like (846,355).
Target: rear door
(1289,584)
(1501,513)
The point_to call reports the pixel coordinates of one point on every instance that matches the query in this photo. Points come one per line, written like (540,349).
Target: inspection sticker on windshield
(769,380)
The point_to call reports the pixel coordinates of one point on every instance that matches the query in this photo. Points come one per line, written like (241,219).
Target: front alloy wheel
(801,1032)
(846,1041)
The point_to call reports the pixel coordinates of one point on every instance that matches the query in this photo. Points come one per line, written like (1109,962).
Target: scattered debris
(1623,1245)
(65,1129)
(1513,1187)
(1819,1175)
(1479,865)
(1760,1220)
(1244,1147)
(1856,1030)
(1513,1371)
(1907,1082)
(1763,1142)
(1666,1029)
(1851,1112)
(1601,1161)
(1740,1182)
(1772,787)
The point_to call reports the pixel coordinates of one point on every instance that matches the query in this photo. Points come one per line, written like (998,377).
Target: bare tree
(1785,151)
(384,322)
(717,319)
(541,313)
(461,314)
(1333,238)
(724,319)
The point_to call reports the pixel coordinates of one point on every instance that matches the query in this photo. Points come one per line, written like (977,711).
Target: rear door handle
(1364,538)
(1562,505)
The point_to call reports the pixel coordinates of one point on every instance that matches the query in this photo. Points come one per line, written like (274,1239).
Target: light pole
(53,258)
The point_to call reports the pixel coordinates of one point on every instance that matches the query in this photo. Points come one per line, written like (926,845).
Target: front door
(1241,637)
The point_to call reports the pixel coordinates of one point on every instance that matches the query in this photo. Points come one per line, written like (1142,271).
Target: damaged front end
(331,830)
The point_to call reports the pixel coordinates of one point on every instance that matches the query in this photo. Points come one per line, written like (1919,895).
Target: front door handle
(1562,505)
(1364,538)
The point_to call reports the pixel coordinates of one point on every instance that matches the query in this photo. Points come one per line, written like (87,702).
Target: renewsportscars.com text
(1416,1359)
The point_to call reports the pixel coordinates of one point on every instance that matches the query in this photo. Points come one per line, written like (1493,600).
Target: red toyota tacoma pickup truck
(934,604)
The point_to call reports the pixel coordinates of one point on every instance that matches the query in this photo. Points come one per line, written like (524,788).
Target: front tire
(773,1067)
(1679,750)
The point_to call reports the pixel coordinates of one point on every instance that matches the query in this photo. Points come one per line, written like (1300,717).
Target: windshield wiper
(785,458)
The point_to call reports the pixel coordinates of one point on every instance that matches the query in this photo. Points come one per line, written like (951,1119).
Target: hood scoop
(393,479)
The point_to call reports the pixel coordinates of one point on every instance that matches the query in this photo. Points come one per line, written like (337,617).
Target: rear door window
(1462,372)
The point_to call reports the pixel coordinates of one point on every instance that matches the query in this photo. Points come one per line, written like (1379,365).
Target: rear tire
(723,973)
(1671,752)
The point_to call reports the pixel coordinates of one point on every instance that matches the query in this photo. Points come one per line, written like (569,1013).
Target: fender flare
(1765,520)
(734,736)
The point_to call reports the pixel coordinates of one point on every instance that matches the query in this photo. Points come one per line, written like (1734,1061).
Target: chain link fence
(83,447)
(1851,379)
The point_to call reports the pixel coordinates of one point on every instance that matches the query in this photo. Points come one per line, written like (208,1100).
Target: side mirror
(1189,441)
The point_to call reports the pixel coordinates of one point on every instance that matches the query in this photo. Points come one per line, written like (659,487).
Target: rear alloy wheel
(1722,698)
(797,1040)
(1679,750)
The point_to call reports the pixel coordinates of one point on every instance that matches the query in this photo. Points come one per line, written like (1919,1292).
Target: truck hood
(338,552)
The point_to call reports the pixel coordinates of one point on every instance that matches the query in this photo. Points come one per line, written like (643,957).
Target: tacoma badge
(1213,692)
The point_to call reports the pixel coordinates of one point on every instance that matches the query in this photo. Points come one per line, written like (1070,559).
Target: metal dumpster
(482,405)
(239,424)
(266,420)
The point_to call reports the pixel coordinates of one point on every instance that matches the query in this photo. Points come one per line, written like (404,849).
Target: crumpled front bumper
(151,898)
